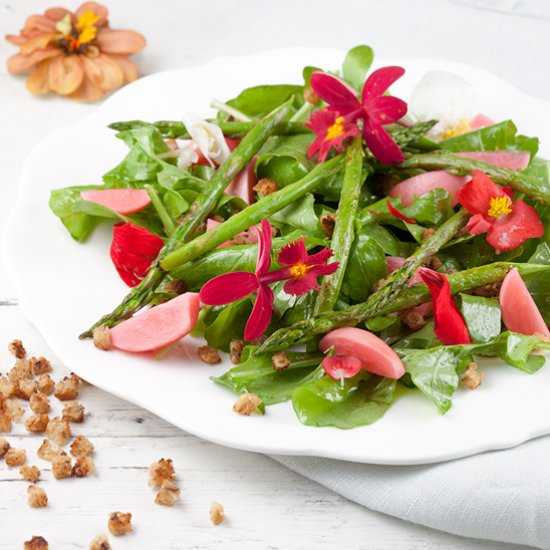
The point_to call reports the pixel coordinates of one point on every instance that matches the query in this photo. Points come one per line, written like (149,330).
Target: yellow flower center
(74,36)
(86,26)
(499,207)
(461,127)
(336,130)
(299,270)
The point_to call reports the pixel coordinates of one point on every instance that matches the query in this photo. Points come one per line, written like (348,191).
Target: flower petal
(379,81)
(119,42)
(87,91)
(513,230)
(19,62)
(396,214)
(56,14)
(386,109)
(381,144)
(38,81)
(293,253)
(477,225)
(476,194)
(228,288)
(322,257)
(324,269)
(133,250)
(101,11)
(104,72)
(341,366)
(208,137)
(261,314)
(449,327)
(301,285)
(129,69)
(264,248)
(335,92)
(65,74)
(42,23)
(38,42)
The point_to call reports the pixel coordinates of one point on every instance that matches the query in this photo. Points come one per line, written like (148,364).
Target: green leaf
(307,72)
(255,374)
(482,316)
(356,65)
(261,100)
(358,401)
(516,349)
(298,216)
(175,204)
(229,324)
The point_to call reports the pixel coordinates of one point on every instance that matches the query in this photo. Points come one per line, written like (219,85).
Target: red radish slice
(159,326)
(243,183)
(519,311)
(375,355)
(121,201)
(480,121)
(421,184)
(341,366)
(513,160)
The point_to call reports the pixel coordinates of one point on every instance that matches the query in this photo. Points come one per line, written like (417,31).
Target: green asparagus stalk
(197,213)
(344,234)
(519,181)
(251,215)
(461,281)
(167,221)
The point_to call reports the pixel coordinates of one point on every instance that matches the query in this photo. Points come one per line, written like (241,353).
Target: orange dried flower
(75,54)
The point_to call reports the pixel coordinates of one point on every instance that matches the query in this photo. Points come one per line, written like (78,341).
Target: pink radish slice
(251,236)
(375,355)
(421,184)
(513,160)
(159,326)
(121,201)
(396,262)
(243,183)
(480,121)
(519,311)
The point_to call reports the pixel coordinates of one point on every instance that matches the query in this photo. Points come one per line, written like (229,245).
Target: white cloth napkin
(502,496)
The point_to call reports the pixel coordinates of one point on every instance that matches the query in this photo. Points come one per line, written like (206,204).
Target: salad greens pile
(345,204)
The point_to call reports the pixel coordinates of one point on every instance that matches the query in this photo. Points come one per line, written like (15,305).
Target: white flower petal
(208,138)
(187,155)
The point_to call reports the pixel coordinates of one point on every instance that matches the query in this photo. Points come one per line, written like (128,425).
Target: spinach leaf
(261,100)
(358,401)
(299,215)
(482,316)
(229,324)
(356,65)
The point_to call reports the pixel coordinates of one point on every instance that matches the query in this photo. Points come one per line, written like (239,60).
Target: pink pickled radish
(243,183)
(480,121)
(159,326)
(421,184)
(513,160)
(121,201)
(519,311)
(375,355)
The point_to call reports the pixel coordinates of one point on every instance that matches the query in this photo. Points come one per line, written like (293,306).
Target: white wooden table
(267,506)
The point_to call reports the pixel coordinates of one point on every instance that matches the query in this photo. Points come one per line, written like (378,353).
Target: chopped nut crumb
(81,446)
(36,543)
(16,457)
(428,233)
(39,403)
(30,473)
(209,355)
(235,351)
(37,423)
(67,388)
(101,542)
(280,361)
(472,378)
(411,318)
(168,494)
(120,524)
(327,222)
(435,263)
(49,451)
(217,513)
(242,238)
(5,422)
(40,365)
(4,447)
(260,340)
(45,384)
(37,497)
(102,338)
(162,470)
(176,286)
(26,388)
(16,348)
(83,466)
(247,404)
(21,371)
(73,412)
(59,430)
(62,467)
(13,409)
(311,97)
(488,291)
(7,387)
(266,186)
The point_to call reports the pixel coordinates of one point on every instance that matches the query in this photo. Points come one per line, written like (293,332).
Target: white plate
(64,286)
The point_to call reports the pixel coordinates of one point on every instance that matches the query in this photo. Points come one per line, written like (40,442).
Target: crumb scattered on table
(217,513)
(36,543)
(209,355)
(119,524)
(37,497)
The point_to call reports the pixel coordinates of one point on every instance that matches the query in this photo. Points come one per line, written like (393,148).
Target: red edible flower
(339,367)
(399,215)
(449,326)
(508,224)
(330,129)
(301,275)
(375,109)
(133,250)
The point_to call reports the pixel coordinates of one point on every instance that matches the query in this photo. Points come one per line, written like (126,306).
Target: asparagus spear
(251,215)
(343,235)
(409,297)
(442,160)
(197,213)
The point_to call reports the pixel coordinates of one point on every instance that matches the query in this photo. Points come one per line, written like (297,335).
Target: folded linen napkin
(502,495)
